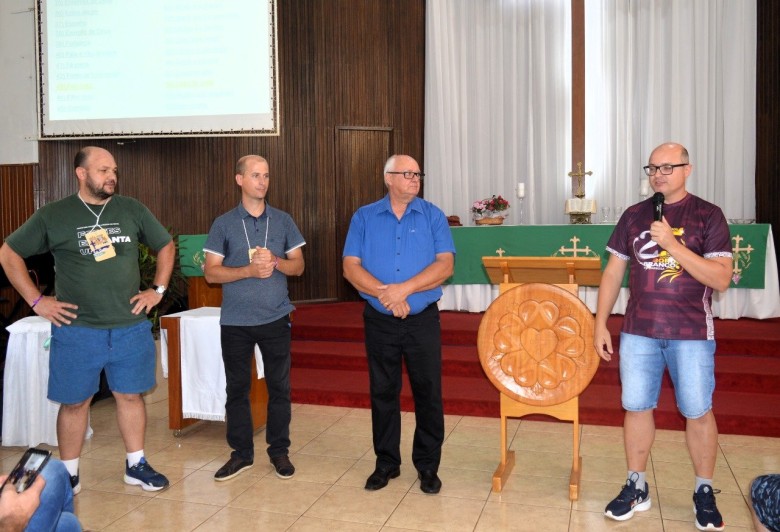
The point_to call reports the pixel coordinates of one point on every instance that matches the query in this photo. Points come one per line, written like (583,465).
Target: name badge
(100,244)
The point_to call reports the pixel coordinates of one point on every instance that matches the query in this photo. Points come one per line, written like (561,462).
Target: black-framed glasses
(410,175)
(665,169)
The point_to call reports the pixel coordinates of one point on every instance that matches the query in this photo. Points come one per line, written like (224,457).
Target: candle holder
(520,190)
(520,210)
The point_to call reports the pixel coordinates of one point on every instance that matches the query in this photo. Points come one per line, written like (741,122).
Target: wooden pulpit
(535,344)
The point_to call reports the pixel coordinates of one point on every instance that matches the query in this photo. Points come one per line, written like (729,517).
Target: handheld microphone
(658,206)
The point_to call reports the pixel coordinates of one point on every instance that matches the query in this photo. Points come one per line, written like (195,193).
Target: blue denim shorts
(78,354)
(691,366)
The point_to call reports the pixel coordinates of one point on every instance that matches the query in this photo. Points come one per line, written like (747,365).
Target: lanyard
(248,245)
(97,216)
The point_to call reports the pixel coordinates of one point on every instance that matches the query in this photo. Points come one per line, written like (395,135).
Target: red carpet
(329,367)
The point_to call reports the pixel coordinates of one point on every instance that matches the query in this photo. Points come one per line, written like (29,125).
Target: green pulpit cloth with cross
(473,243)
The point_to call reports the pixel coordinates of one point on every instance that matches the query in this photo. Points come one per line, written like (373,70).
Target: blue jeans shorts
(691,366)
(78,354)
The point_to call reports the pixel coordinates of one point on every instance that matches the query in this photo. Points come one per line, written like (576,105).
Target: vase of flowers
(490,211)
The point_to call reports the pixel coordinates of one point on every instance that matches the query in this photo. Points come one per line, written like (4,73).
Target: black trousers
(238,344)
(416,340)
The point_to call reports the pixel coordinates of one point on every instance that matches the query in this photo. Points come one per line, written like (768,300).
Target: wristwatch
(159,288)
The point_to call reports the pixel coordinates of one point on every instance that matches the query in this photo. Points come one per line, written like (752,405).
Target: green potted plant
(176,293)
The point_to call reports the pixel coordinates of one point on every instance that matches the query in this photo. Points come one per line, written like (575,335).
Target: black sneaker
(144,475)
(630,500)
(283,466)
(75,484)
(233,467)
(707,515)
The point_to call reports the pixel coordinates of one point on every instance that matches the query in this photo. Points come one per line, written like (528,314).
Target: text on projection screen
(112,68)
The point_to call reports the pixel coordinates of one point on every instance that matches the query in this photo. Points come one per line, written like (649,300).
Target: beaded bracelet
(37,300)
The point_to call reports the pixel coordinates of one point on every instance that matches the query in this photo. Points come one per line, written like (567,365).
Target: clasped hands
(393,298)
(263,263)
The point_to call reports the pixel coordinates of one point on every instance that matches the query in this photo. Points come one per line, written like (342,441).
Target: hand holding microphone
(658,206)
(660,232)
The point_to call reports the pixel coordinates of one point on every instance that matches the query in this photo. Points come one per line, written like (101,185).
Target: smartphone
(26,470)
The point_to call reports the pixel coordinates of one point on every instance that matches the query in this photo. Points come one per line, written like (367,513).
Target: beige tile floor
(331,449)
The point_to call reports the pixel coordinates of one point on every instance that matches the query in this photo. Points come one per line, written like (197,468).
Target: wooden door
(360,154)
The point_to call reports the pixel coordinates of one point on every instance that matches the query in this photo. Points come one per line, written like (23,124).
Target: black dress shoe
(380,477)
(429,481)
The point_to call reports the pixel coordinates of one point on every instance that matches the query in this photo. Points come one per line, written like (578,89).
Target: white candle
(521,190)
(644,188)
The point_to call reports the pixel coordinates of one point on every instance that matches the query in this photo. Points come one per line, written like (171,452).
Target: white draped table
(29,418)
(202,370)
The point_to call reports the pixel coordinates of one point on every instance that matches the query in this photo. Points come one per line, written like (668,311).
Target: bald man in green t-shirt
(98,314)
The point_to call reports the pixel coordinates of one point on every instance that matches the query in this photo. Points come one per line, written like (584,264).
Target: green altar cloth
(473,243)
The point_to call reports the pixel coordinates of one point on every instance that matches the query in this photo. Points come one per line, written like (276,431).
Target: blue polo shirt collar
(245,213)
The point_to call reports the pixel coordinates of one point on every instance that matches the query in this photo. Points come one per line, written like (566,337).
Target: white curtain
(672,70)
(498,100)
(498,105)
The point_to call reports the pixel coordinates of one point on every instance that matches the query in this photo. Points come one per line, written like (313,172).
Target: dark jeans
(416,341)
(238,344)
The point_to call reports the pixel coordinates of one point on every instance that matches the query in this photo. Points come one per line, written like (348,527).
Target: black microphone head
(658,206)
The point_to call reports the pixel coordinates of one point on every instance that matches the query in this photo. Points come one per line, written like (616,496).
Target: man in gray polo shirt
(251,250)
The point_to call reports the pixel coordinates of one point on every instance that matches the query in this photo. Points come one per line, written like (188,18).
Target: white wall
(18,109)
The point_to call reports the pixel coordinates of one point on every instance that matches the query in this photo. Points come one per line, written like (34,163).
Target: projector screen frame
(221,123)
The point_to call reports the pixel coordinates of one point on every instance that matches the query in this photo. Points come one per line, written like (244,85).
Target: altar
(754,291)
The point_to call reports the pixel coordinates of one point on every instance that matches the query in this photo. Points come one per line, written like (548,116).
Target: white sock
(72,466)
(134,458)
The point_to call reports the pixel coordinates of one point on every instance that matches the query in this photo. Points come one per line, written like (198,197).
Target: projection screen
(157,68)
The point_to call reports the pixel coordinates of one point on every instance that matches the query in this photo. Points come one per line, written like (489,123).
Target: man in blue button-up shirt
(398,252)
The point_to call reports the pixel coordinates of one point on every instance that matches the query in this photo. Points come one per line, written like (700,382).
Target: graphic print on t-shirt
(653,257)
(113,230)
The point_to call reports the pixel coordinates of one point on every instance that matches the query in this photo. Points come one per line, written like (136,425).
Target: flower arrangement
(493,207)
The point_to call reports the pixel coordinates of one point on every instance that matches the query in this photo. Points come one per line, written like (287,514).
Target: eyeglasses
(665,169)
(410,175)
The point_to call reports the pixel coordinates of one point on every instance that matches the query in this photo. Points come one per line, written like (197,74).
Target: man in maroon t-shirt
(675,264)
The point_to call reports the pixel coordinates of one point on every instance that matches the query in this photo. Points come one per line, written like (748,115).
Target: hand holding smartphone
(27,469)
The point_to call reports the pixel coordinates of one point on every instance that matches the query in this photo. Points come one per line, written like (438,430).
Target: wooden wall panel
(342,63)
(768,118)
(17,203)
(17,196)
